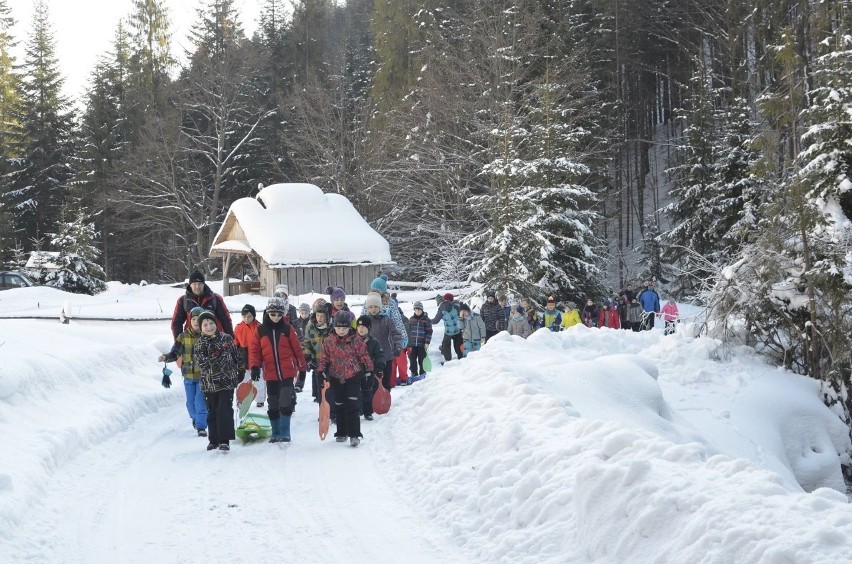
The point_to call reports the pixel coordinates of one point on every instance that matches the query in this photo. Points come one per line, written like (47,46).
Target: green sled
(254,426)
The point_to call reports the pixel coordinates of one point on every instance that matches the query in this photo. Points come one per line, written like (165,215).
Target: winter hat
(373,299)
(206,315)
(519,308)
(464,307)
(342,319)
(277,305)
(248,308)
(448,297)
(571,305)
(196,276)
(365,321)
(196,311)
(281,291)
(490,294)
(418,305)
(336,293)
(305,307)
(380,284)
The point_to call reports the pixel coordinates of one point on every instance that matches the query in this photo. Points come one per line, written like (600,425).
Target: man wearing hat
(199,294)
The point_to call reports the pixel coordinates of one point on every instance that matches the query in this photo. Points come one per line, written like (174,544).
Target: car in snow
(11,279)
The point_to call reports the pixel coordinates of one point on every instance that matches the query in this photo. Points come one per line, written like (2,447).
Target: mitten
(167,382)
(255,373)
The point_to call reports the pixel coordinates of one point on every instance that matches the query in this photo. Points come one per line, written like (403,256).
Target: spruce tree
(78,251)
(34,191)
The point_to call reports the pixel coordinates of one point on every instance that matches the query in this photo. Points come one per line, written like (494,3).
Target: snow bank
(531,455)
(53,405)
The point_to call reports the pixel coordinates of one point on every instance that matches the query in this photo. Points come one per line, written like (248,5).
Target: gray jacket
(473,328)
(520,327)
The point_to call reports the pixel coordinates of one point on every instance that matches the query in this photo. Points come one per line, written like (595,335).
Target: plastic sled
(413,379)
(324,413)
(381,399)
(254,426)
(427,364)
(246,392)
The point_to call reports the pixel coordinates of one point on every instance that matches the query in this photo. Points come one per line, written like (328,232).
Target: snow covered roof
(297,224)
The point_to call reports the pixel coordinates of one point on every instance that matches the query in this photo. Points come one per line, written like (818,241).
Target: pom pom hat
(336,293)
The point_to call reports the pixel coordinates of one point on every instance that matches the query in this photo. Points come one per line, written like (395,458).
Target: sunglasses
(275,314)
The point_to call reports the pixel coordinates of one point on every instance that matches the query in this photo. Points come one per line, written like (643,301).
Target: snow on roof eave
(232,246)
(331,264)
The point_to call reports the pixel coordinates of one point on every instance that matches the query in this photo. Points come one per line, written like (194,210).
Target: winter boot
(202,432)
(276,430)
(354,441)
(284,423)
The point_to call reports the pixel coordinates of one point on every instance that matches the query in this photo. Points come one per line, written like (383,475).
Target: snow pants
(457,342)
(416,356)
(368,390)
(282,398)
(400,367)
(470,346)
(220,416)
(346,396)
(648,320)
(387,374)
(196,404)
(670,327)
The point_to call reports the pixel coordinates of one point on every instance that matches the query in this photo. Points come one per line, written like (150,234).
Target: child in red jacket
(344,362)
(276,347)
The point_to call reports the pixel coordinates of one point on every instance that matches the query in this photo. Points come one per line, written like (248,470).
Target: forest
(563,147)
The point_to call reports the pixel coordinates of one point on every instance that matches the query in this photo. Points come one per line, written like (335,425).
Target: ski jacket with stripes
(421,330)
(345,357)
(552,320)
(277,350)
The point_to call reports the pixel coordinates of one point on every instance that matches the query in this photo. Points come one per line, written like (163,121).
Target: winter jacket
(345,308)
(634,313)
(608,317)
(391,309)
(374,349)
(219,359)
(406,323)
(300,325)
(650,300)
(670,312)
(518,325)
(243,336)
(277,350)
(385,332)
(570,318)
(533,319)
(207,300)
(590,315)
(552,320)
(503,321)
(345,357)
(421,330)
(183,349)
(492,313)
(312,341)
(448,312)
(473,328)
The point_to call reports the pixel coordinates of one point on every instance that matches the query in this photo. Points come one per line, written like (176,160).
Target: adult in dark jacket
(199,294)
(276,348)
(649,299)
(492,313)
(374,349)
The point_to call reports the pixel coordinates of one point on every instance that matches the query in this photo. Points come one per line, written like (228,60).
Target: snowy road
(154,494)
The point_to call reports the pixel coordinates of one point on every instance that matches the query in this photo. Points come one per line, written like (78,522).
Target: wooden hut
(294,234)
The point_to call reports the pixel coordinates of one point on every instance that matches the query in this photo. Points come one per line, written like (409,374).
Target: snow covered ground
(587,445)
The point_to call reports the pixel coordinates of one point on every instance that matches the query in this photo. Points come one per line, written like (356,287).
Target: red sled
(381,399)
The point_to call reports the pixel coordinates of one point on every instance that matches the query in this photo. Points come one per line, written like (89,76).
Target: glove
(255,373)
(312,365)
(300,384)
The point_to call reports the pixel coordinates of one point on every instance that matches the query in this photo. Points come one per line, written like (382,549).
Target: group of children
(353,353)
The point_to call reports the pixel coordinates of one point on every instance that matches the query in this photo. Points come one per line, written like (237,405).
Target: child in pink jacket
(670,316)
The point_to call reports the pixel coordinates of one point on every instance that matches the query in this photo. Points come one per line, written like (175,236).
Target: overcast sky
(84,29)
